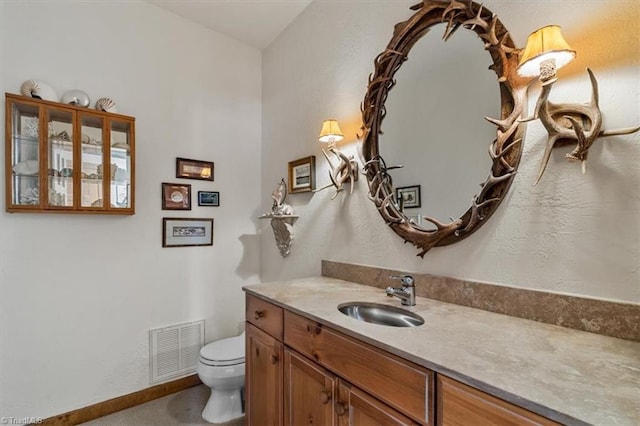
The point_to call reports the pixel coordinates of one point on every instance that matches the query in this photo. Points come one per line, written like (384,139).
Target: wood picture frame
(187,232)
(209,198)
(302,175)
(194,169)
(409,196)
(176,196)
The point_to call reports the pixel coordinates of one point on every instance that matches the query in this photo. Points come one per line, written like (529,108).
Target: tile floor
(182,408)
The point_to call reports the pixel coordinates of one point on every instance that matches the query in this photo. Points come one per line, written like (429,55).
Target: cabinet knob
(274,358)
(325,397)
(341,408)
(316,329)
(258,314)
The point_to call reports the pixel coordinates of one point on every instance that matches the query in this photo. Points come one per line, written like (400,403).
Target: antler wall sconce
(546,52)
(346,168)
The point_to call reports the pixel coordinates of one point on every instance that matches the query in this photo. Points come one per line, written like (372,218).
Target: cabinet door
(92,153)
(356,408)
(461,405)
(121,164)
(309,392)
(23,133)
(264,374)
(61,159)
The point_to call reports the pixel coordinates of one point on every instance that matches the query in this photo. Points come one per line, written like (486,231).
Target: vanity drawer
(459,404)
(264,315)
(398,383)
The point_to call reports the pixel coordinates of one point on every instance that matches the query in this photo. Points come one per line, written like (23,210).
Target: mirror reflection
(435,123)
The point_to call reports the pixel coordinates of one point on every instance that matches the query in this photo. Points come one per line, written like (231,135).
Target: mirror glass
(435,123)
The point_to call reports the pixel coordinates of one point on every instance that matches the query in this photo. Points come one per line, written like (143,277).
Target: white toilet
(221,367)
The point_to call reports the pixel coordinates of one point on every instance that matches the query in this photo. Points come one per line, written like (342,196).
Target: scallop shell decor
(106,104)
(38,89)
(76,97)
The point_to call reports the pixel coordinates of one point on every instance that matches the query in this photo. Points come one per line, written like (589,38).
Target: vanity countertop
(573,377)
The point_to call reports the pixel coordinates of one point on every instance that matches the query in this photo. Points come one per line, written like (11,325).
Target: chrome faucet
(406,293)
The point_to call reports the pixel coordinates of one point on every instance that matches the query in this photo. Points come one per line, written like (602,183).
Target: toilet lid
(229,349)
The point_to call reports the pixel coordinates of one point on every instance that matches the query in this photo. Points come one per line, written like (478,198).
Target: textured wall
(571,233)
(79,293)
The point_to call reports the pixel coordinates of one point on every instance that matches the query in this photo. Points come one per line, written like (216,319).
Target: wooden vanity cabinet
(302,372)
(462,405)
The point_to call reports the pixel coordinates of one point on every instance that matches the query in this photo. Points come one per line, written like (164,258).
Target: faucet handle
(406,280)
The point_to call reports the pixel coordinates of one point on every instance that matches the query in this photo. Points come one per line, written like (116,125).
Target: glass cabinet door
(24,155)
(121,170)
(60,168)
(93,174)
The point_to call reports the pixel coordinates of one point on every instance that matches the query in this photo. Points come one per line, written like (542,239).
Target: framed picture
(184,232)
(194,169)
(408,196)
(302,175)
(176,196)
(208,198)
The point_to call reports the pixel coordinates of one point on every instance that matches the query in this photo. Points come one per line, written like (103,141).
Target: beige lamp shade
(544,44)
(330,131)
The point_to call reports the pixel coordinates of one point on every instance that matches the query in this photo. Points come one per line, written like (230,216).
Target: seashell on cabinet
(26,168)
(106,104)
(38,89)
(29,87)
(76,97)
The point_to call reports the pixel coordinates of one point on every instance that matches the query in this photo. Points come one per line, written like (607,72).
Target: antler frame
(505,151)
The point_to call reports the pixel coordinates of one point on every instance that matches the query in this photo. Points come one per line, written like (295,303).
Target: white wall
(570,233)
(79,293)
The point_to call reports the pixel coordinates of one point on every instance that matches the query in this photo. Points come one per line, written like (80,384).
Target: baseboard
(104,408)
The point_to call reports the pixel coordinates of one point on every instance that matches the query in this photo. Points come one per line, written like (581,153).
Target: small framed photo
(194,169)
(176,196)
(302,175)
(185,232)
(415,218)
(408,196)
(209,198)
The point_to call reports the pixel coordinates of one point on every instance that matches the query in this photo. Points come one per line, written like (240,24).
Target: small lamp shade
(330,132)
(542,45)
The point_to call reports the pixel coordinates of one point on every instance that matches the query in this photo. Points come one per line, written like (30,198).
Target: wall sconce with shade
(346,167)
(545,53)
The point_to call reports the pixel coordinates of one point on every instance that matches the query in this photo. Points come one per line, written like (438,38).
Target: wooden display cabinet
(63,158)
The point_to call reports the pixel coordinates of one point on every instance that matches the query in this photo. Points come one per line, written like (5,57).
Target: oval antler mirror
(504,152)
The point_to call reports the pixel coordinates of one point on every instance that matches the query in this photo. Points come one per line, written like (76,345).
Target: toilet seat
(224,352)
